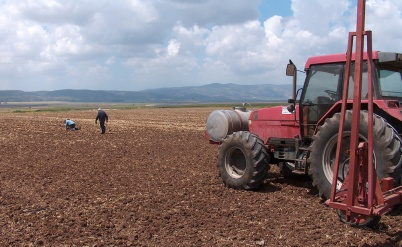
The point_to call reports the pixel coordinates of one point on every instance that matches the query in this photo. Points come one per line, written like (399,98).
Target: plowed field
(151,180)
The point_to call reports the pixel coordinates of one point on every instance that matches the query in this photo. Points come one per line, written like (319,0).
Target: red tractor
(301,138)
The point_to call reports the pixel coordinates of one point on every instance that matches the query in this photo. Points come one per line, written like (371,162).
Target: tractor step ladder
(303,161)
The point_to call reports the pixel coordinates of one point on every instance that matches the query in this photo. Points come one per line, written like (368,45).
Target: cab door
(322,90)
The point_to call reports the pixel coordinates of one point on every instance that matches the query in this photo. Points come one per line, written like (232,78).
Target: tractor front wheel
(242,161)
(286,172)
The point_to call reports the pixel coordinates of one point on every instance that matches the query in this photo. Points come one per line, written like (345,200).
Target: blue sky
(269,8)
(133,45)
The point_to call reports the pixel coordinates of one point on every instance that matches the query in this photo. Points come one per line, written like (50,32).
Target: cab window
(364,86)
(323,83)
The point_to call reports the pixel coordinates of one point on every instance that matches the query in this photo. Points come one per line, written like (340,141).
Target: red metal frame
(352,199)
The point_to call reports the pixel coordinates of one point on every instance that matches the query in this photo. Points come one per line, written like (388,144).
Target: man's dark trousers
(103,127)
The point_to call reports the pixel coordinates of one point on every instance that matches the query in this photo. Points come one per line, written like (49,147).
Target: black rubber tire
(387,150)
(243,161)
(286,171)
(363,222)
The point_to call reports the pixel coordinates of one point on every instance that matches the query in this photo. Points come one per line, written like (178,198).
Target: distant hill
(201,94)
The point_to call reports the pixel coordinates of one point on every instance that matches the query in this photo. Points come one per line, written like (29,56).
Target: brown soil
(151,180)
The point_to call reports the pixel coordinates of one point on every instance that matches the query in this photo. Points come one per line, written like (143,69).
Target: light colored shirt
(69,122)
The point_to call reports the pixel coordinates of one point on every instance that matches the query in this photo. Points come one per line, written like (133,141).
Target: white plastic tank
(221,123)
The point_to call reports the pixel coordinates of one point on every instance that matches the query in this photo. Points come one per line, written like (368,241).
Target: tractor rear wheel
(387,151)
(242,161)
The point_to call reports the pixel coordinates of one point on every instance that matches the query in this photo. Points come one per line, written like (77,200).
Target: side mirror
(291,108)
(291,101)
(290,69)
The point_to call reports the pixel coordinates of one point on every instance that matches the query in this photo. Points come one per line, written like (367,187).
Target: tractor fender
(334,109)
(391,114)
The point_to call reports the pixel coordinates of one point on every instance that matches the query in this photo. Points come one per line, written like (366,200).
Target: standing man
(102,116)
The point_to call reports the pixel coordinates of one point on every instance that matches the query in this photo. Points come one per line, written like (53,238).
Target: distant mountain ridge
(215,92)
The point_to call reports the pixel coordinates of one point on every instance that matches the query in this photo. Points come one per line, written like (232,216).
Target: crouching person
(70,125)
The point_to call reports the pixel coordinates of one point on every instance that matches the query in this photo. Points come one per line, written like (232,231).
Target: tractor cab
(322,92)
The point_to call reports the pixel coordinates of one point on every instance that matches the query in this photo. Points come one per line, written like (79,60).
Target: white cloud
(96,70)
(111,60)
(134,44)
(384,18)
(173,48)
(144,11)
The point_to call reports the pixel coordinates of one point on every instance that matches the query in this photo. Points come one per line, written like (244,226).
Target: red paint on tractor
(275,122)
(335,58)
